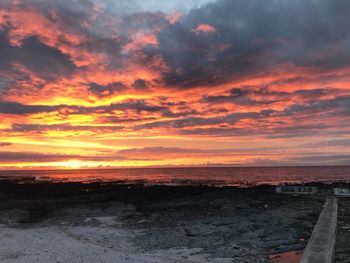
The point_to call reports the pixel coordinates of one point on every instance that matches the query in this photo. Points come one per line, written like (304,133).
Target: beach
(106,222)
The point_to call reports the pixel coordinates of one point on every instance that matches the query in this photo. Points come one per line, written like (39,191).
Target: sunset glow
(72,164)
(159,83)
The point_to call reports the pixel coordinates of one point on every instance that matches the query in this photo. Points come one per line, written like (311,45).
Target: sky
(174,83)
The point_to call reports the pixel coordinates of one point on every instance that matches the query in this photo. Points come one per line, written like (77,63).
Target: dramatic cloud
(254,36)
(174,82)
(14,157)
(204,28)
(8,107)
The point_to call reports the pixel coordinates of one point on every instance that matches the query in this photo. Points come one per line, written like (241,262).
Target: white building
(342,191)
(296,189)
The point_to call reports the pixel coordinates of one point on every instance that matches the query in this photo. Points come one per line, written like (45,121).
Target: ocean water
(214,176)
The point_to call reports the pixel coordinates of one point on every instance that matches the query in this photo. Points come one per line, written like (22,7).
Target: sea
(211,176)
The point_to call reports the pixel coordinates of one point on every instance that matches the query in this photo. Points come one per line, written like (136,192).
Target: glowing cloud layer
(129,83)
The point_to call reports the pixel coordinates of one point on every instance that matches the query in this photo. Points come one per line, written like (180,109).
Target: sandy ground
(166,224)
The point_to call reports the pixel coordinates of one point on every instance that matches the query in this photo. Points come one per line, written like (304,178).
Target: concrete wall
(320,248)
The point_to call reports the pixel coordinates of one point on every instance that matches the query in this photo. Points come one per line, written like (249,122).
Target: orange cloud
(27,23)
(204,28)
(174,17)
(141,40)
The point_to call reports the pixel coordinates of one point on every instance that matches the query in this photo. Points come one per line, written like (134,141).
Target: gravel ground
(152,224)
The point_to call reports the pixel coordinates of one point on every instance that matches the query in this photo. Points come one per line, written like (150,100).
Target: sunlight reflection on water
(219,176)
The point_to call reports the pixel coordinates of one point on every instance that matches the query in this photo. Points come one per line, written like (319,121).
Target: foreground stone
(320,248)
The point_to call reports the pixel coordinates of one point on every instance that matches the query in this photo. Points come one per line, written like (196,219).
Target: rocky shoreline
(133,223)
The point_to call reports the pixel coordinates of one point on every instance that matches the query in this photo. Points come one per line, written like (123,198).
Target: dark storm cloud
(107,90)
(44,61)
(137,105)
(143,20)
(140,84)
(245,96)
(5,83)
(59,40)
(251,95)
(339,106)
(252,36)
(114,119)
(198,121)
(7,107)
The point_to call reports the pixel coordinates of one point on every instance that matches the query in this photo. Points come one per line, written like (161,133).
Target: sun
(72,164)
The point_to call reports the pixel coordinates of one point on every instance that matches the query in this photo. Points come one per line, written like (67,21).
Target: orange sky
(105,84)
